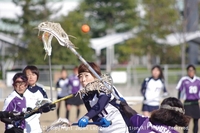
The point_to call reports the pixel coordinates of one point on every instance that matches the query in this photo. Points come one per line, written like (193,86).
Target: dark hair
(75,68)
(84,68)
(190,65)
(63,69)
(170,117)
(161,76)
(21,76)
(33,69)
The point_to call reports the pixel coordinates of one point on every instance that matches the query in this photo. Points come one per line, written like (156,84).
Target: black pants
(14,130)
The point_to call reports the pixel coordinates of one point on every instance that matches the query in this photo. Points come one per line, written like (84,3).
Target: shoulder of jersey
(11,96)
(162,80)
(184,77)
(147,79)
(41,87)
(198,78)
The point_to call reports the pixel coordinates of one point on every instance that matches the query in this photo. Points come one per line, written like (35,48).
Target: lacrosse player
(97,104)
(189,90)
(16,102)
(151,90)
(63,83)
(33,94)
(162,120)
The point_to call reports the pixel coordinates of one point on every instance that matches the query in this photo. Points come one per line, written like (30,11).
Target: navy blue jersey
(63,84)
(98,105)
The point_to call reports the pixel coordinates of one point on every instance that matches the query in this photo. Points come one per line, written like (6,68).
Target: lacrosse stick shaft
(92,123)
(64,98)
(36,109)
(50,78)
(92,70)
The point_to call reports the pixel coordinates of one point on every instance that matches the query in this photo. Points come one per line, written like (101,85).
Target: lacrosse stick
(42,102)
(63,123)
(56,30)
(47,38)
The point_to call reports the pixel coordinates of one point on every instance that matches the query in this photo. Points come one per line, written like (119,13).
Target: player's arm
(165,93)
(5,114)
(129,112)
(6,120)
(143,87)
(7,111)
(57,85)
(180,87)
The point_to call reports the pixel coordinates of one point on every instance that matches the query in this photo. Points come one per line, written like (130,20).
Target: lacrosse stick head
(42,102)
(99,85)
(57,31)
(60,123)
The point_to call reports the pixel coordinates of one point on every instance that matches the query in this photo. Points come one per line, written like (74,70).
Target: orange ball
(85,28)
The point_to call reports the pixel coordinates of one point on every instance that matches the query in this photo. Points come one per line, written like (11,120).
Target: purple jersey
(143,125)
(75,84)
(15,102)
(190,88)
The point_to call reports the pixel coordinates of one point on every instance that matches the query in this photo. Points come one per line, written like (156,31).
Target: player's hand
(16,123)
(104,122)
(83,122)
(47,107)
(52,107)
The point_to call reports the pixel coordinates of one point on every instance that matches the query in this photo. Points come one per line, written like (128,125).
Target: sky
(10,10)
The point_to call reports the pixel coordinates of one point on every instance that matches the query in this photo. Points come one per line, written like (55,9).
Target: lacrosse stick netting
(98,85)
(56,30)
(61,123)
(47,38)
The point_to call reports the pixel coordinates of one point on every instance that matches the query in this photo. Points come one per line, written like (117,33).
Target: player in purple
(16,102)
(189,90)
(74,81)
(162,120)
(75,85)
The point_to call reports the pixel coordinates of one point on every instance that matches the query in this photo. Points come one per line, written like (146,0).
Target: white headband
(173,108)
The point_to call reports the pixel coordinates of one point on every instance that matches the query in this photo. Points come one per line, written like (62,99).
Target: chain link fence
(133,77)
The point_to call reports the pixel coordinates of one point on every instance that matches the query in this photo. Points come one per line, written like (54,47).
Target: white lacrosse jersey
(151,90)
(32,95)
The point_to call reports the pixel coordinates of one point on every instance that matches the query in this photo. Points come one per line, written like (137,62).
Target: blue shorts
(149,108)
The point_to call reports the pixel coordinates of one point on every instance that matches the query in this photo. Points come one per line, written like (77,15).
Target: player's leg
(58,108)
(77,111)
(68,106)
(195,128)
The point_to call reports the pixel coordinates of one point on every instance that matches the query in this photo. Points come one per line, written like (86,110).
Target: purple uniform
(143,125)
(190,88)
(75,84)
(15,102)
